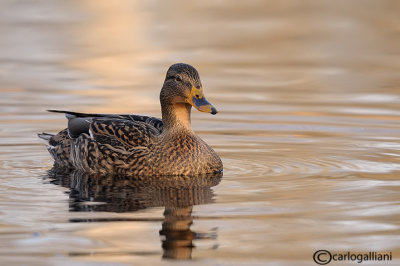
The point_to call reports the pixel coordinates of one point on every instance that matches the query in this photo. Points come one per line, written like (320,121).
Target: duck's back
(101,143)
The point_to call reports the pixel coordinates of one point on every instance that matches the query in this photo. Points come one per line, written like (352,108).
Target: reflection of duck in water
(177,239)
(141,145)
(130,193)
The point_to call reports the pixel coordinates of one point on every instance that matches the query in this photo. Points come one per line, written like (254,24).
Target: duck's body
(140,145)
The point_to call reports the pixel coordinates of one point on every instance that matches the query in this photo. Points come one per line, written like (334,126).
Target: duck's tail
(45,136)
(59,146)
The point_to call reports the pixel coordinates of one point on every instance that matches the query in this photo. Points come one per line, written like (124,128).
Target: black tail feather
(76,114)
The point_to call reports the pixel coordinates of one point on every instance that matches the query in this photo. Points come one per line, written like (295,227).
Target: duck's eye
(178,78)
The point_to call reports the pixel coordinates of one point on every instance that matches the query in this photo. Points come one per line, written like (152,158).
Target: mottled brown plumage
(141,145)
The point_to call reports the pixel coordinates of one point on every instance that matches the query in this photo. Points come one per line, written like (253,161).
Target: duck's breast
(185,154)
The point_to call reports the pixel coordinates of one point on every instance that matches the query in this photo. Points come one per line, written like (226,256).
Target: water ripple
(306,167)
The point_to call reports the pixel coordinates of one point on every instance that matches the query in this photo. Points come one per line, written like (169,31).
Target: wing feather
(123,133)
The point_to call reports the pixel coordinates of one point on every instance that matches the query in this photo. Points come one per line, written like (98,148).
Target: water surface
(308,130)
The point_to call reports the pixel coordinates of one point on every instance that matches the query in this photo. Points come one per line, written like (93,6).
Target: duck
(136,144)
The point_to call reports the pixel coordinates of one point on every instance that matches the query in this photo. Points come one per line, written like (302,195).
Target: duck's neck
(176,118)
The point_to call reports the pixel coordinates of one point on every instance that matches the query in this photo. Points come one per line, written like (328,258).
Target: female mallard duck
(140,145)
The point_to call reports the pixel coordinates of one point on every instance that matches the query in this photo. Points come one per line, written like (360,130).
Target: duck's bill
(198,101)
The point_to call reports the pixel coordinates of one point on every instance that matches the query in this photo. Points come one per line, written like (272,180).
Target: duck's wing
(123,131)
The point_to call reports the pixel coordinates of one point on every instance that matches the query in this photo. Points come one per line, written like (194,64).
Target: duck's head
(182,85)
